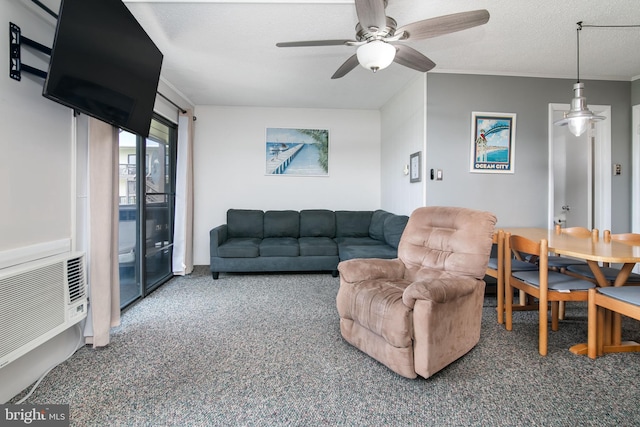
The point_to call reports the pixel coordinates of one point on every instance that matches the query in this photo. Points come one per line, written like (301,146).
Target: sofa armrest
(217,236)
(440,290)
(356,270)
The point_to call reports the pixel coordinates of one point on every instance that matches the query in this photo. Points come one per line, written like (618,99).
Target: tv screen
(104,64)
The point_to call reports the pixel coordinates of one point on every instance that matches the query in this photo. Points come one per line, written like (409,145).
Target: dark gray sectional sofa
(306,240)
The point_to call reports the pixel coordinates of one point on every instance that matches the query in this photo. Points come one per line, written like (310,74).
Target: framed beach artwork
(297,152)
(493,139)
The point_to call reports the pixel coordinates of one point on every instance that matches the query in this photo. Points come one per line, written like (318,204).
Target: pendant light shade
(579,116)
(376,55)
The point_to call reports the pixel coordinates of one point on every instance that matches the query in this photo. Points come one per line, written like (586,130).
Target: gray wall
(518,199)
(635,92)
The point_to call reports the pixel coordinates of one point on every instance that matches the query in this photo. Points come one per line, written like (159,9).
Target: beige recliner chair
(421,311)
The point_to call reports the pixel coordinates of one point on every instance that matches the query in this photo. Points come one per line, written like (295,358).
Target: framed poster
(297,152)
(493,139)
(415,167)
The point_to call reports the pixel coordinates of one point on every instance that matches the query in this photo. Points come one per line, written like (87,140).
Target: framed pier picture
(297,152)
(493,139)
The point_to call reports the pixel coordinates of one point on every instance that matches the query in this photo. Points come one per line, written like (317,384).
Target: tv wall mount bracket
(16,66)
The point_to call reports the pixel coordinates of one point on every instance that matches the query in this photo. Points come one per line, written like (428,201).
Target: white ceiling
(223,52)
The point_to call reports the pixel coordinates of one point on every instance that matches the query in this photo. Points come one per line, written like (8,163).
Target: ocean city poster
(493,142)
(297,152)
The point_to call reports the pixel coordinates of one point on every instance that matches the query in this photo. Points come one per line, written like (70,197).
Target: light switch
(617,169)
(439,175)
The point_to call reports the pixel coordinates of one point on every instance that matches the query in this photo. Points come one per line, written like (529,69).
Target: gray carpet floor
(266,350)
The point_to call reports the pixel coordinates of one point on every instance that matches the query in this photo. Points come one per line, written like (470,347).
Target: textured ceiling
(223,52)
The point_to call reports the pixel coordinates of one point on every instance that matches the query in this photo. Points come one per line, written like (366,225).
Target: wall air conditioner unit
(39,300)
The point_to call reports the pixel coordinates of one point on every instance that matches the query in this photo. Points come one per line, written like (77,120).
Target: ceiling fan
(377,35)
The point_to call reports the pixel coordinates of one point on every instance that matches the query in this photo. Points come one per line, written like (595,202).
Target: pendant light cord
(578,49)
(580,26)
(608,26)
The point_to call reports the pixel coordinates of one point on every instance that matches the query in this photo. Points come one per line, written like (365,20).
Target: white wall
(35,165)
(403,126)
(229,165)
(36,181)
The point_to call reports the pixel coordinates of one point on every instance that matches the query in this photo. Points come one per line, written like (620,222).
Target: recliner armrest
(440,290)
(356,270)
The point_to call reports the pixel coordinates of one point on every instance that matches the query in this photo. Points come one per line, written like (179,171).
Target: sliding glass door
(159,202)
(147,196)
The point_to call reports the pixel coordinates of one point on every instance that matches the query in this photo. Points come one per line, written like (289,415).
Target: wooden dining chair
(624,300)
(546,285)
(495,269)
(561,263)
(610,273)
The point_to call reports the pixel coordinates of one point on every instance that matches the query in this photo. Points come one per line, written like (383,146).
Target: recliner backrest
(446,241)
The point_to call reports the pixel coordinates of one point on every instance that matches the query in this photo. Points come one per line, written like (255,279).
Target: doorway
(579,175)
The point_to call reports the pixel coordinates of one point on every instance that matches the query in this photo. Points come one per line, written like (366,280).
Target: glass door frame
(141,246)
(141,149)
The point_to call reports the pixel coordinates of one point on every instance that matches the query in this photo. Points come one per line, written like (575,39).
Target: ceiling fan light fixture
(376,55)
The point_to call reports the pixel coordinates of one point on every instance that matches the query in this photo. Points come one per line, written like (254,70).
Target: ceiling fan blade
(348,65)
(371,14)
(316,43)
(446,24)
(409,57)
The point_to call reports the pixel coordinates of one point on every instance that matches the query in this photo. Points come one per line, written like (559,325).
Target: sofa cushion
(245,223)
(393,229)
(317,246)
(353,223)
(376,228)
(317,223)
(281,224)
(360,241)
(367,251)
(279,246)
(240,247)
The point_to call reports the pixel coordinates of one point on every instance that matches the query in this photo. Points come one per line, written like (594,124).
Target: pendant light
(579,116)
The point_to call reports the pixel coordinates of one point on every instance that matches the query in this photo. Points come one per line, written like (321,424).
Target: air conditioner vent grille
(76,278)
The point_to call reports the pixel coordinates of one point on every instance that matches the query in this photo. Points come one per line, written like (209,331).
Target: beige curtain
(183,231)
(104,280)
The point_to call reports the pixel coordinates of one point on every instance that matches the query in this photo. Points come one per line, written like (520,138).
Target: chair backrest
(518,245)
(628,238)
(446,241)
(496,269)
(577,231)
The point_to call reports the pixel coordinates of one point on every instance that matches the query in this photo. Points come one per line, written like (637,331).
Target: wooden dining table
(594,251)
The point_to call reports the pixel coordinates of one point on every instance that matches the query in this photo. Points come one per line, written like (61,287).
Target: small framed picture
(415,167)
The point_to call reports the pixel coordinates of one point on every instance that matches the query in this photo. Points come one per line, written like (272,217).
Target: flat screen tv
(104,64)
